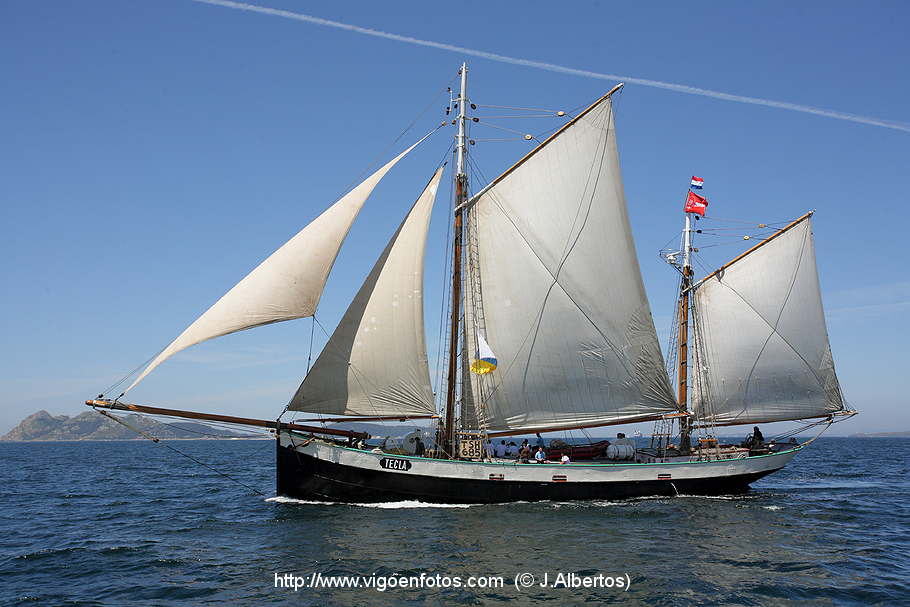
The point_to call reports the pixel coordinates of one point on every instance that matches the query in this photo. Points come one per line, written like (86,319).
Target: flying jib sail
(288,284)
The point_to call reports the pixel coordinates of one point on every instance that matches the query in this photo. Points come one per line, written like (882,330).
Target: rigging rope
(520,109)
(517,116)
(445,305)
(309,358)
(485,140)
(131,373)
(502,128)
(175,450)
(213,469)
(385,150)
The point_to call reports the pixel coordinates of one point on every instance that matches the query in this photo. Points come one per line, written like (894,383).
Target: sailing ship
(544,274)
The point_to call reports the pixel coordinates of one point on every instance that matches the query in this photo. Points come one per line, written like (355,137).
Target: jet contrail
(679,88)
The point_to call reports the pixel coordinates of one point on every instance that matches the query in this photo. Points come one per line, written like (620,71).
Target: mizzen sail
(375,362)
(288,284)
(560,297)
(763,351)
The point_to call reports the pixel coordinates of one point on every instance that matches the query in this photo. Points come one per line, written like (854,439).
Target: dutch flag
(697,183)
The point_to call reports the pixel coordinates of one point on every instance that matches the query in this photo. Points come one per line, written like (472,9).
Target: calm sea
(132,523)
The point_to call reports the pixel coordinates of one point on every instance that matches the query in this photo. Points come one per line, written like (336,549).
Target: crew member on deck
(757,438)
(524,454)
(540,456)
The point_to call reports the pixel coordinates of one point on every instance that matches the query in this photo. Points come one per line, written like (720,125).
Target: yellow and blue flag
(486,360)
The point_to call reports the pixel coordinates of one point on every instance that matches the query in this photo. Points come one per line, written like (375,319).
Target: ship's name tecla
(395,464)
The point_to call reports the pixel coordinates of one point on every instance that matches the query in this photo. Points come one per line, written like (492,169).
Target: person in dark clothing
(419,448)
(524,454)
(757,438)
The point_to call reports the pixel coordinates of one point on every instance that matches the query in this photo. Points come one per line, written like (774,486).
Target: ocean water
(135,524)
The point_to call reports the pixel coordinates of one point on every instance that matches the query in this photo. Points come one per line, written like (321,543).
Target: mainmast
(685,445)
(461,195)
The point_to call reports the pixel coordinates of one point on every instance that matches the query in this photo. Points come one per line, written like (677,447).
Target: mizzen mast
(682,375)
(461,195)
(695,205)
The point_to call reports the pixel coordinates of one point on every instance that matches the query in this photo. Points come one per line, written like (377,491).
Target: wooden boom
(644,418)
(229,419)
(377,418)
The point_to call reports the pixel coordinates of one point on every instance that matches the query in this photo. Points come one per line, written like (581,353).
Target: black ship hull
(306,477)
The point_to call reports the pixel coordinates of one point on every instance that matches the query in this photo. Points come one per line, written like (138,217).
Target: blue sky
(154,152)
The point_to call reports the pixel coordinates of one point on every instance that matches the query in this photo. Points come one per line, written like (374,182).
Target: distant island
(904,434)
(42,426)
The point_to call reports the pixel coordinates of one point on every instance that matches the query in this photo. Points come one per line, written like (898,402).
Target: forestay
(288,284)
(763,344)
(560,296)
(375,362)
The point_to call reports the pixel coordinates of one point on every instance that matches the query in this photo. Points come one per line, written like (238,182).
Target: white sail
(561,295)
(470,414)
(375,362)
(288,284)
(762,341)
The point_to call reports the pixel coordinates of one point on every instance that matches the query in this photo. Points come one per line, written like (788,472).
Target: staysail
(562,300)
(288,284)
(375,362)
(762,342)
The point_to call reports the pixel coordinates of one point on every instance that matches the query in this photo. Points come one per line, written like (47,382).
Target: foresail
(375,362)
(288,284)
(560,299)
(762,342)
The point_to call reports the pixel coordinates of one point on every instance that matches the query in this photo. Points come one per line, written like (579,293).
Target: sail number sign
(470,448)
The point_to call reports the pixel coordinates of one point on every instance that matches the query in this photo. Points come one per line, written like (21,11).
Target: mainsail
(763,351)
(288,284)
(562,301)
(375,362)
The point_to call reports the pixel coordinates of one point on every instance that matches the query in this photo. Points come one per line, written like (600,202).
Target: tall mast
(461,195)
(685,445)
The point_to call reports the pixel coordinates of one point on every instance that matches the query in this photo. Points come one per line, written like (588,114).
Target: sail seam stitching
(555,282)
(773,327)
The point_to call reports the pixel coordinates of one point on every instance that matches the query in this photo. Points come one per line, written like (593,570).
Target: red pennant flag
(696,204)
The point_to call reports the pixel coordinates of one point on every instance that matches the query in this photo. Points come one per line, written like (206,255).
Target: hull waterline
(320,471)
